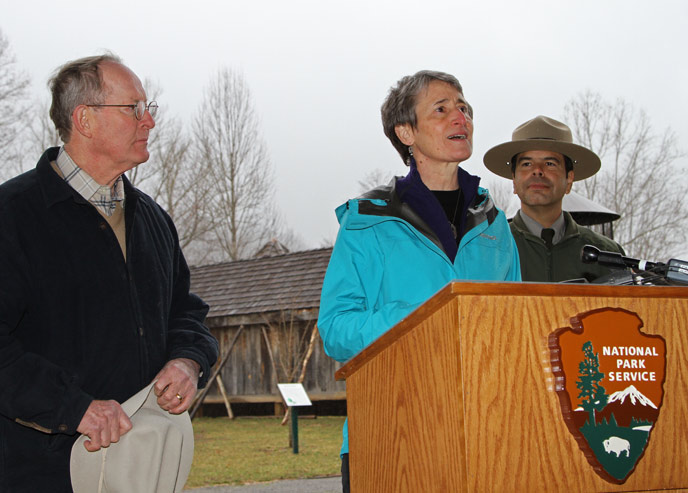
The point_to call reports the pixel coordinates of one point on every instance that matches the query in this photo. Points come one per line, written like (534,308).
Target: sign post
(294,395)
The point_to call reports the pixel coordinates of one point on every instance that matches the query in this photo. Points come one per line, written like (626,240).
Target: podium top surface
(459,288)
(562,289)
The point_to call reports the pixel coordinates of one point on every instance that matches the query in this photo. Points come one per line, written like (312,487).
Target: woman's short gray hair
(399,107)
(74,83)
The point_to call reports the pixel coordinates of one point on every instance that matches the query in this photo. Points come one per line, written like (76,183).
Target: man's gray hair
(74,83)
(399,107)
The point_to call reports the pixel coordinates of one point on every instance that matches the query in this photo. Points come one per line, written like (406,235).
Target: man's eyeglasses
(139,108)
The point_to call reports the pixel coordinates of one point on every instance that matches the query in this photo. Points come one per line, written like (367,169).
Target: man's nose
(147,120)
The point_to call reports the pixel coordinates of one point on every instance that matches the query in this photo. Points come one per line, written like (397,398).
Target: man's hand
(176,384)
(104,423)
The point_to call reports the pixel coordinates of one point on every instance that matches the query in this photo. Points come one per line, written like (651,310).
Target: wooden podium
(460,396)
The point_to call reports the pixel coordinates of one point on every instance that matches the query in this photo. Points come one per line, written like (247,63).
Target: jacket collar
(394,207)
(53,187)
(409,199)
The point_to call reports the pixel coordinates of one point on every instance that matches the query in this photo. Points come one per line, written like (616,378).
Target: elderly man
(544,162)
(94,289)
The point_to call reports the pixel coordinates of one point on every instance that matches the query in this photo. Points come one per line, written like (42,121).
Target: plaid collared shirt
(104,198)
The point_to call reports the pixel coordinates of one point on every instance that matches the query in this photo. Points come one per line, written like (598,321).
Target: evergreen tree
(593,396)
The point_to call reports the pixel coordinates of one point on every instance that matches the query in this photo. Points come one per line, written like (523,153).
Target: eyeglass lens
(141,108)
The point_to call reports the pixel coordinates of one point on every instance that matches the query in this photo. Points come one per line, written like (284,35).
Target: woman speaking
(399,244)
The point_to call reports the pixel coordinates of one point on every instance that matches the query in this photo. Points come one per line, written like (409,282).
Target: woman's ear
(405,134)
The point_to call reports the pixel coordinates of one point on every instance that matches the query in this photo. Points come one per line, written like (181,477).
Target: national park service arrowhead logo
(609,377)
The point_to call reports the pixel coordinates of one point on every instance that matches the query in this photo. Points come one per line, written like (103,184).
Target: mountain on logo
(629,404)
(625,405)
(633,394)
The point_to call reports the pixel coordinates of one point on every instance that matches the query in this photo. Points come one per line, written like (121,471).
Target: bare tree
(39,135)
(175,180)
(641,176)
(172,178)
(184,177)
(291,343)
(14,86)
(290,346)
(228,142)
(42,131)
(374,178)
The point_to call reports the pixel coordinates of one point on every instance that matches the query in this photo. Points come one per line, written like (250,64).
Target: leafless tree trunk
(641,176)
(216,186)
(291,341)
(173,179)
(13,107)
(176,181)
(228,143)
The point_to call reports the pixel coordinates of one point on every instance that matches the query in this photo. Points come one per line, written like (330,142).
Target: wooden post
(221,386)
(218,369)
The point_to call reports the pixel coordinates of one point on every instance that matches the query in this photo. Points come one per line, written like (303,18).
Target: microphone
(678,271)
(591,255)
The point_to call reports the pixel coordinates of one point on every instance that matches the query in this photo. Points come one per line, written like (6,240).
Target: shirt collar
(536,228)
(102,197)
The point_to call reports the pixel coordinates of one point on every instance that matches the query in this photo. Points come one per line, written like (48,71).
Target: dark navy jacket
(79,323)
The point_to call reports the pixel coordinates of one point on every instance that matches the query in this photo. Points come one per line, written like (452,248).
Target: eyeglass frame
(151,108)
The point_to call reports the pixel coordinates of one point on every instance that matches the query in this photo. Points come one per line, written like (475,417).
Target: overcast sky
(319,70)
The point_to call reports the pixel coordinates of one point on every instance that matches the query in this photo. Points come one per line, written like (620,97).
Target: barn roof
(282,282)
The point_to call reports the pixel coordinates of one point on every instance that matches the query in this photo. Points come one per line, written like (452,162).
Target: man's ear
(81,120)
(569,181)
(405,134)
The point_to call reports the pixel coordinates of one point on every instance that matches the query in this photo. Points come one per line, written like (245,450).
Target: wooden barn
(264,312)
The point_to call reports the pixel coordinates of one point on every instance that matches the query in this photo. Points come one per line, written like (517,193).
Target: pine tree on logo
(592,394)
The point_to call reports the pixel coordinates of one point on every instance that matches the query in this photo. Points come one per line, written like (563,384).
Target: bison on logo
(609,377)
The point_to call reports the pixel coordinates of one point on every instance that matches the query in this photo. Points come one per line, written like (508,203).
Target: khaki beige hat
(153,457)
(542,134)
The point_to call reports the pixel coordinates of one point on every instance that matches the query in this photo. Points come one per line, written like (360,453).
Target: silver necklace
(456,208)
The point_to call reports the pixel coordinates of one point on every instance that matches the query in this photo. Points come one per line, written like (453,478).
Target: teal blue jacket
(386,262)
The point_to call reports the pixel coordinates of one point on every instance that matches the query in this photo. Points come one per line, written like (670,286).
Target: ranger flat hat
(542,134)
(153,457)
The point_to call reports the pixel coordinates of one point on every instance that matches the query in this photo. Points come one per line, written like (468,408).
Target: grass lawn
(256,449)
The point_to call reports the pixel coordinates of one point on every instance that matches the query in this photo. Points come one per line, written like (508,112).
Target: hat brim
(165,436)
(585,162)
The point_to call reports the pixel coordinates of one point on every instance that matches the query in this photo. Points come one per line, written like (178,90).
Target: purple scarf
(413,191)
